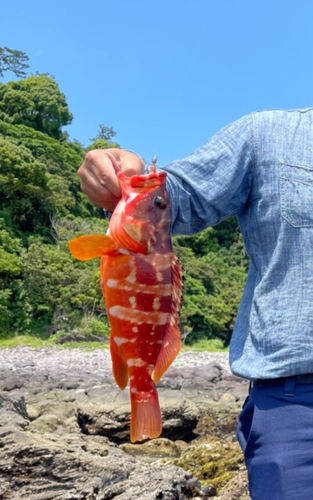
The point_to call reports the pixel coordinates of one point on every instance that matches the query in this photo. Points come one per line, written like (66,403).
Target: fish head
(143,216)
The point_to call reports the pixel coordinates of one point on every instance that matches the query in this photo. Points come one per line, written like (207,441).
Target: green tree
(106,133)
(10,249)
(103,139)
(14,61)
(25,197)
(36,102)
(59,289)
(60,161)
(215,266)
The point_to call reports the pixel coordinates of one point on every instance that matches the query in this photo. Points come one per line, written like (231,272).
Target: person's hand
(98,174)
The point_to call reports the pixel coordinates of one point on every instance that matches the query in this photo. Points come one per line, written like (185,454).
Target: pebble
(56,363)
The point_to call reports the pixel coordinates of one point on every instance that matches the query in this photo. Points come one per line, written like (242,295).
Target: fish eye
(160,202)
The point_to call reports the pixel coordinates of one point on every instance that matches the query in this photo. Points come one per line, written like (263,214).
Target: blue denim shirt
(260,169)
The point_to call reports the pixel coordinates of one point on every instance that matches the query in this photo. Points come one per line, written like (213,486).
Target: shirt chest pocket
(296,194)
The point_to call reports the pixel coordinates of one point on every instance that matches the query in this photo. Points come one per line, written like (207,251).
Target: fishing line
(184,80)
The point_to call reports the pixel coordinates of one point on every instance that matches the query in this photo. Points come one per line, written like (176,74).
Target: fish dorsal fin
(90,247)
(171,342)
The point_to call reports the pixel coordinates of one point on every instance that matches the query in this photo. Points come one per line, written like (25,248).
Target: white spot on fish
(132,300)
(138,362)
(112,283)
(134,390)
(124,251)
(139,317)
(159,276)
(156,303)
(132,196)
(135,329)
(120,340)
(132,275)
(160,289)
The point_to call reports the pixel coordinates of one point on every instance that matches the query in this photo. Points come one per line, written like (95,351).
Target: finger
(99,172)
(109,204)
(96,192)
(129,162)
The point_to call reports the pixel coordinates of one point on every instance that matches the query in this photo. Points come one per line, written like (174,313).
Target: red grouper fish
(141,280)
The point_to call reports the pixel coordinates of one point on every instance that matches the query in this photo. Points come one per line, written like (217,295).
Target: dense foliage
(43,290)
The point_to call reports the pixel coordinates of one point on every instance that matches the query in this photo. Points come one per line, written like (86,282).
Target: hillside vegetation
(43,290)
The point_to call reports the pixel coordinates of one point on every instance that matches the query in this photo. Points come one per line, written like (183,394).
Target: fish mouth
(136,234)
(148,181)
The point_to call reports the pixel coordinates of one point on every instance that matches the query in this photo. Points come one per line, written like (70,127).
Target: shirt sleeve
(214,182)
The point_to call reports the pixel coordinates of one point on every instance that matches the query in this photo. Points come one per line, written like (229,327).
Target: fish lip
(139,180)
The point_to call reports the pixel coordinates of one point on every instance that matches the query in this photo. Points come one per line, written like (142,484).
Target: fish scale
(141,280)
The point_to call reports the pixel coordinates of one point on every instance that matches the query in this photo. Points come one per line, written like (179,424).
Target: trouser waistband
(299,379)
(287,383)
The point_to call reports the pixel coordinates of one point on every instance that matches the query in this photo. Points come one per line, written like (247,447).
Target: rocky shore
(64,430)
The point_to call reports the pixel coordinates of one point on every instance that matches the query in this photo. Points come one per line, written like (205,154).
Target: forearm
(213,182)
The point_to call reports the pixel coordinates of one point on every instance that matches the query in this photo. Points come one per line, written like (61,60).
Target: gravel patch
(57,363)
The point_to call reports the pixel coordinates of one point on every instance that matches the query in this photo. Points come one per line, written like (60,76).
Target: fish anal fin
(90,247)
(146,420)
(168,352)
(119,368)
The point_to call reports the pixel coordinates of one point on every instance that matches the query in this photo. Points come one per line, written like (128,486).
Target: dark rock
(208,492)
(164,483)
(11,383)
(13,412)
(45,467)
(205,382)
(236,489)
(62,445)
(152,450)
(106,411)
(24,364)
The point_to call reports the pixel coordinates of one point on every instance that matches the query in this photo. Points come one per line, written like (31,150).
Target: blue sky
(167,74)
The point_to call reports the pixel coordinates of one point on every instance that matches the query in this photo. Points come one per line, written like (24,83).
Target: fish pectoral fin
(119,368)
(168,352)
(146,420)
(90,247)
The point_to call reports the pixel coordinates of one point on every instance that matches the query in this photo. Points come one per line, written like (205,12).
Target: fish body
(141,280)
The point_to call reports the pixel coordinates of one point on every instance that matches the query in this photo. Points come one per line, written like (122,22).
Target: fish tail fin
(146,420)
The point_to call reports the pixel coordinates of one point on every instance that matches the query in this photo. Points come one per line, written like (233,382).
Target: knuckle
(103,178)
(90,156)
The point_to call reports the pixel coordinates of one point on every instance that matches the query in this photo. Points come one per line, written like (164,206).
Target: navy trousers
(275,432)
